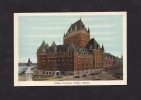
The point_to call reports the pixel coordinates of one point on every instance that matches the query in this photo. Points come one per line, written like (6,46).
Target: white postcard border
(70,83)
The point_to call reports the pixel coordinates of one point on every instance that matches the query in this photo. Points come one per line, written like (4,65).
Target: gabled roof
(92,43)
(71,46)
(79,25)
(43,47)
(43,44)
(109,55)
(83,51)
(58,47)
(53,44)
(61,48)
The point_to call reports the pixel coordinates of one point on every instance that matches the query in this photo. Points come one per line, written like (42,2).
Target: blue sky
(106,29)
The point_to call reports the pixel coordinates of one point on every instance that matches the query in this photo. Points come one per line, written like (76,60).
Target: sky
(106,29)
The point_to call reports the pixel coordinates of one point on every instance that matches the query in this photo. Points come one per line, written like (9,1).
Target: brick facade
(110,61)
(78,55)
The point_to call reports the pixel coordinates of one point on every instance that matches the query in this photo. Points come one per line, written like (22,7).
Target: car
(97,79)
(76,76)
(92,74)
(84,76)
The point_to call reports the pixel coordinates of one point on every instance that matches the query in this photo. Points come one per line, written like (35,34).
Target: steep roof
(109,55)
(102,47)
(61,48)
(79,24)
(92,43)
(83,51)
(43,47)
(71,46)
(58,47)
(53,43)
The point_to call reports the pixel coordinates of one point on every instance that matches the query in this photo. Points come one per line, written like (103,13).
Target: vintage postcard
(70,49)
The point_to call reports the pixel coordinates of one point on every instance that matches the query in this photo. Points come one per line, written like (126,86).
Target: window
(43,60)
(75,28)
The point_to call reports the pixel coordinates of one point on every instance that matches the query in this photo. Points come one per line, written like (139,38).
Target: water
(22,69)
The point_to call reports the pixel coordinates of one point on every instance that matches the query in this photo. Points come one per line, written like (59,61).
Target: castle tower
(98,53)
(77,34)
(41,56)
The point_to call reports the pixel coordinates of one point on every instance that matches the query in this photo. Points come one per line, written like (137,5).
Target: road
(101,76)
(104,75)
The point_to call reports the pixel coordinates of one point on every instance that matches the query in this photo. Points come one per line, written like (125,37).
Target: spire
(64,35)
(88,30)
(43,44)
(102,47)
(47,45)
(29,62)
(42,48)
(53,44)
(121,56)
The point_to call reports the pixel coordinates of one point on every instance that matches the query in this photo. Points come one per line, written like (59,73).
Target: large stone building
(78,55)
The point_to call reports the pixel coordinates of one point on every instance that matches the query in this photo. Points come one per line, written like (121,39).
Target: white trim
(62,83)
